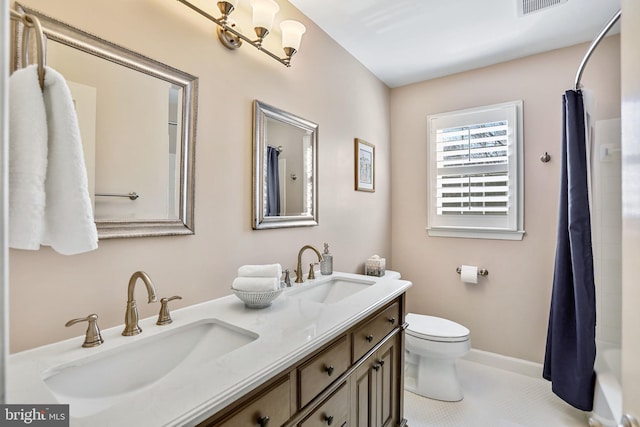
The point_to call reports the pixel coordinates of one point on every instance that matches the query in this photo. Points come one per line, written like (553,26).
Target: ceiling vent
(527,7)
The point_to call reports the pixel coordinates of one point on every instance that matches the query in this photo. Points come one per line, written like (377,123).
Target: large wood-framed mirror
(137,120)
(285,169)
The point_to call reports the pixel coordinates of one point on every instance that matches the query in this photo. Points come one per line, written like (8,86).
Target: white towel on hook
(27,159)
(69,226)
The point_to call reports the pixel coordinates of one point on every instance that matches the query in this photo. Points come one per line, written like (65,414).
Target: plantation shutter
(473,174)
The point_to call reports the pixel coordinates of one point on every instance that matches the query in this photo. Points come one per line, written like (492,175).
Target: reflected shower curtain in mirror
(571,349)
(273,182)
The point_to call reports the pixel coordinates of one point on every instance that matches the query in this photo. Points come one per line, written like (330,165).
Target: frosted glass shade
(264,12)
(292,32)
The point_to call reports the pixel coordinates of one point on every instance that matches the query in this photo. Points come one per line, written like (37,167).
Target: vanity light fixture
(264,12)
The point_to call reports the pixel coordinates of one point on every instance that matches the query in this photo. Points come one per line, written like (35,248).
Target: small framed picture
(365,155)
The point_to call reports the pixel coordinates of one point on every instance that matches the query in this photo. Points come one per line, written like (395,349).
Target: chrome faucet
(131,315)
(299,267)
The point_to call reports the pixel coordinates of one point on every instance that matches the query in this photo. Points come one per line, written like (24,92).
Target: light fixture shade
(264,12)
(233,3)
(292,32)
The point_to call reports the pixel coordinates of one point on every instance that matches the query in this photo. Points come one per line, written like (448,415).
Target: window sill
(470,233)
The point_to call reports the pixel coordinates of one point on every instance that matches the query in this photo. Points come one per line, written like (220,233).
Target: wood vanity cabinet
(355,380)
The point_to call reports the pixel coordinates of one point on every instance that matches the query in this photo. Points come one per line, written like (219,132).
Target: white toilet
(432,346)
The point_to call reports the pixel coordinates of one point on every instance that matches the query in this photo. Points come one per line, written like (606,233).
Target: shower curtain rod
(593,46)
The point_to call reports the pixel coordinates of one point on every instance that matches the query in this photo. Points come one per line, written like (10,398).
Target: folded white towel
(256,284)
(69,224)
(28,159)
(266,270)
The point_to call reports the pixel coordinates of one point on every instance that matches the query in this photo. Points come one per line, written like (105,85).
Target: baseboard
(507,363)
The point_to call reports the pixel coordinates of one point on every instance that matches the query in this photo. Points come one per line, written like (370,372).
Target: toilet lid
(435,328)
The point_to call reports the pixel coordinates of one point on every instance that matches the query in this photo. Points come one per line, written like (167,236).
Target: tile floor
(494,398)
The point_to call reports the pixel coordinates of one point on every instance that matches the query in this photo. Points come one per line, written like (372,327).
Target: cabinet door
(362,395)
(386,380)
(375,388)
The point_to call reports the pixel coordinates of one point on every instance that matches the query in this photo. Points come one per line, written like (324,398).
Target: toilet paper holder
(481,271)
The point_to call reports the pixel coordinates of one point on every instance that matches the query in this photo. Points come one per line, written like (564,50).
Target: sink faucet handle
(164,317)
(92,337)
(287,278)
(312,274)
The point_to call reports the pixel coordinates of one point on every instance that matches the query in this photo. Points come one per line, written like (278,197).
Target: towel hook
(31,21)
(545,158)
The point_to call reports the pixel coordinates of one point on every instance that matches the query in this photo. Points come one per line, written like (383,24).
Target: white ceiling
(406,41)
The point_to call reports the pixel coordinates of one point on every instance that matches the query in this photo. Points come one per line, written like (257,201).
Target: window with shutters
(476,177)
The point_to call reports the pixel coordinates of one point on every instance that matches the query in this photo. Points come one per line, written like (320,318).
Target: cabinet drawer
(332,412)
(269,407)
(316,374)
(370,334)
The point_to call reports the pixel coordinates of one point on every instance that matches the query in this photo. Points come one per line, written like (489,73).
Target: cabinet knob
(369,338)
(328,419)
(381,362)
(263,421)
(376,367)
(392,320)
(329,370)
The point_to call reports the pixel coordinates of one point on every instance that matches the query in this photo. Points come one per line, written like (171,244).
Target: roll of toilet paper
(469,274)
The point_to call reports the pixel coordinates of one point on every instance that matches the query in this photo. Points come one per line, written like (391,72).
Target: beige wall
(631,206)
(324,85)
(507,311)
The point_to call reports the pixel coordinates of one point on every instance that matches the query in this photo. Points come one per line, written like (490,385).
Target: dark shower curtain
(273,182)
(571,348)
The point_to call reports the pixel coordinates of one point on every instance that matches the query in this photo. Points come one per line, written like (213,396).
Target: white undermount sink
(92,384)
(331,291)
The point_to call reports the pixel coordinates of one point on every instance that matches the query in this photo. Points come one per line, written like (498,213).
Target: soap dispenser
(326,265)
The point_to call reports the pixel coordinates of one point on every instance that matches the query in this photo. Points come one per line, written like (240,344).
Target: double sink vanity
(326,352)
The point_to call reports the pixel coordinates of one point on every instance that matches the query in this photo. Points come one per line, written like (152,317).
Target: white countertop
(288,330)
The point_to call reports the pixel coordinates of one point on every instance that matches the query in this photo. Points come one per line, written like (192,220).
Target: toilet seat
(433,328)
